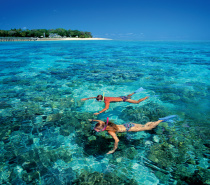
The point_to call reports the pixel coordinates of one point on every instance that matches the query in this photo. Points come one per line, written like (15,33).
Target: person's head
(100,126)
(99,97)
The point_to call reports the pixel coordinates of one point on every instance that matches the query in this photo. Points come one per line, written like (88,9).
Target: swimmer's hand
(96,113)
(111,151)
(90,120)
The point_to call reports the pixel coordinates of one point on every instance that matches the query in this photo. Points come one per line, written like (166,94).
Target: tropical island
(45,35)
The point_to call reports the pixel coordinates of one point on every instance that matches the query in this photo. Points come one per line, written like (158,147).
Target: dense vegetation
(44,33)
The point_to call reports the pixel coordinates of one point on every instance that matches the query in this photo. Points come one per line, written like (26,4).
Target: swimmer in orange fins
(107,100)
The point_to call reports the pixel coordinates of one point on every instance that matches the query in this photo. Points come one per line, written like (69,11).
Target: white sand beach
(63,39)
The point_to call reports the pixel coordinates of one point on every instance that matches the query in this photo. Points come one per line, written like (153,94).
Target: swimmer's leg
(147,126)
(151,125)
(136,101)
(130,95)
(138,90)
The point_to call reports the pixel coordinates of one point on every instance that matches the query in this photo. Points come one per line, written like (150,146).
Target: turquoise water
(45,136)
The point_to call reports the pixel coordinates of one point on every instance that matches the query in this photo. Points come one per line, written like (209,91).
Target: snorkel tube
(107,121)
(103,96)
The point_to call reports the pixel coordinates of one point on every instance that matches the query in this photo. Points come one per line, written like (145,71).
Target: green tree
(12,33)
(75,33)
(40,32)
(61,32)
(88,35)
(82,34)
(4,33)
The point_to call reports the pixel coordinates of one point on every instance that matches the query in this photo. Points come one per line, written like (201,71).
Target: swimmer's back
(112,99)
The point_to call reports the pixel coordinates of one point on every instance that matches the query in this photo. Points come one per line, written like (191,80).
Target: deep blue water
(45,135)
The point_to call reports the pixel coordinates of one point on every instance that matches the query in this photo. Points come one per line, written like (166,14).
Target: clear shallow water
(45,135)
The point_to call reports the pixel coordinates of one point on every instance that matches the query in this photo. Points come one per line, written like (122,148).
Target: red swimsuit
(107,101)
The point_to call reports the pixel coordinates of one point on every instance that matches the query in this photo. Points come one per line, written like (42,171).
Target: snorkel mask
(97,99)
(107,121)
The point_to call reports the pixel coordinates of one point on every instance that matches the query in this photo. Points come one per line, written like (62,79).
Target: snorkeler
(107,100)
(112,128)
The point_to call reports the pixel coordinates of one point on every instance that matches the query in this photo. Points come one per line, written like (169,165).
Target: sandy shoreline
(63,39)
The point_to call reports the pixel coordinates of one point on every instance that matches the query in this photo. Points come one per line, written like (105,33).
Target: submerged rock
(4,105)
(156,139)
(31,177)
(97,178)
(204,163)
(131,153)
(91,138)
(144,114)
(119,159)
(53,117)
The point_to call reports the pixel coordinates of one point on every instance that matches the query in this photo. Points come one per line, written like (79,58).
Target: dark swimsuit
(124,98)
(128,125)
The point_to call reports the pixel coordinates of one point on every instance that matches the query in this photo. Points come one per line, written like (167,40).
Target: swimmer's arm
(94,120)
(113,134)
(83,99)
(106,107)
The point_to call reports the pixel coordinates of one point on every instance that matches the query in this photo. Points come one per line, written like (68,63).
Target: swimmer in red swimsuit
(107,100)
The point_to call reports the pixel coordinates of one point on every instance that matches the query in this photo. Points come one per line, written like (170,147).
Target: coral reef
(45,135)
(97,178)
